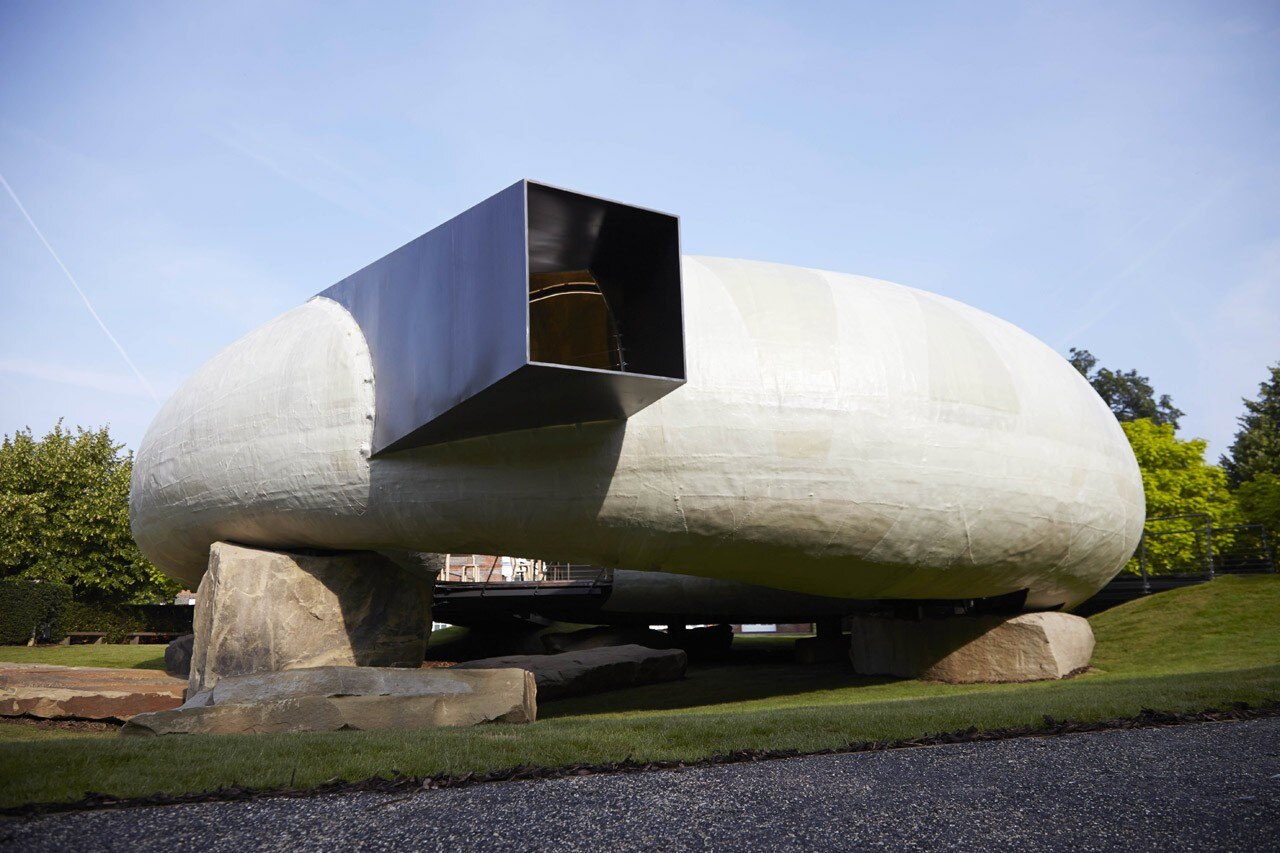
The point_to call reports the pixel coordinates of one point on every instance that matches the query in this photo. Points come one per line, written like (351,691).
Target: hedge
(119,621)
(33,607)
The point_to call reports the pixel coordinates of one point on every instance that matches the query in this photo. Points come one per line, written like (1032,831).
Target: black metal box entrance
(536,307)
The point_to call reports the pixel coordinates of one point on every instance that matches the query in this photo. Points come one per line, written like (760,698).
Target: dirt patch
(62,725)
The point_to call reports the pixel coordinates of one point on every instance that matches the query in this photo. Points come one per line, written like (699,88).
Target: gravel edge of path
(1147,718)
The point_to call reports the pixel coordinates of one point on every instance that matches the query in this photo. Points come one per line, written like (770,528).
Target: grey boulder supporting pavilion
(266,611)
(545,375)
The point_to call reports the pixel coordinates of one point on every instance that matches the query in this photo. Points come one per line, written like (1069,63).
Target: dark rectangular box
(536,307)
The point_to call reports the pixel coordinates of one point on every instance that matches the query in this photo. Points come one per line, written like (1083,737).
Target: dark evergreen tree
(1256,449)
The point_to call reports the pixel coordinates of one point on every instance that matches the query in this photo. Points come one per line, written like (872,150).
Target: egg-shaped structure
(833,434)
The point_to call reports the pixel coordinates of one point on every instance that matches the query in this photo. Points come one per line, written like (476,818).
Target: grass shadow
(750,672)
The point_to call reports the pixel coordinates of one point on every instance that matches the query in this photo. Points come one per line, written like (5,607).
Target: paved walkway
(1208,786)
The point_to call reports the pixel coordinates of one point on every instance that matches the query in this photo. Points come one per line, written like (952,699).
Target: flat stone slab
(604,636)
(330,698)
(592,670)
(968,649)
(54,692)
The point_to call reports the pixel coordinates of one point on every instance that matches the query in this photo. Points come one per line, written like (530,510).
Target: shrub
(1177,481)
(64,499)
(28,607)
(120,620)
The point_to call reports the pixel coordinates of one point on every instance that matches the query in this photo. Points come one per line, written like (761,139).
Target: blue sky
(1104,175)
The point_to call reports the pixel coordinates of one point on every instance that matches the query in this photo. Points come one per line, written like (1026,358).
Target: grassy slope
(1184,650)
(1215,626)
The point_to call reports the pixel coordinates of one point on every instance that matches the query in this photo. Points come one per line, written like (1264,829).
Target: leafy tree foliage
(1256,449)
(1129,395)
(64,500)
(1259,501)
(1177,481)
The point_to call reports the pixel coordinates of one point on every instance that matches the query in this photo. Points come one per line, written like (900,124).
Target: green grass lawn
(88,654)
(1179,651)
(12,731)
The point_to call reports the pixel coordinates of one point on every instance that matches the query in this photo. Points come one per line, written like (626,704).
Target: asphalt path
(1211,786)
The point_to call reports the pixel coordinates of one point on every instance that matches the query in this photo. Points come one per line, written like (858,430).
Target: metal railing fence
(1190,544)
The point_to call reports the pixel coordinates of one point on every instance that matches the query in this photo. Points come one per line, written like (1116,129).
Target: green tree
(1256,449)
(1176,481)
(1128,394)
(1259,501)
(64,499)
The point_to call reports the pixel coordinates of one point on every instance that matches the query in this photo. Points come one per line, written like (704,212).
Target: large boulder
(603,636)
(177,656)
(591,670)
(85,693)
(965,649)
(705,641)
(267,611)
(331,698)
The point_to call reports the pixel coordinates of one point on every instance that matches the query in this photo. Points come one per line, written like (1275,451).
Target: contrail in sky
(87,303)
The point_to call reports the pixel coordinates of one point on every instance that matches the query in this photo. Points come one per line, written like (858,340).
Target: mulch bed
(74,725)
(400,783)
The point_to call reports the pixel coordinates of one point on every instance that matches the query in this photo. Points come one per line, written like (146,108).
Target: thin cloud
(87,304)
(1093,307)
(327,180)
(96,380)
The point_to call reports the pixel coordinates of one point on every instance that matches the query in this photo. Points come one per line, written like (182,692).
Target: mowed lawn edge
(67,770)
(1198,648)
(109,655)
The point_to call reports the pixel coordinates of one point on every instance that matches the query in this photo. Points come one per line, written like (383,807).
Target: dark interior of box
(604,285)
